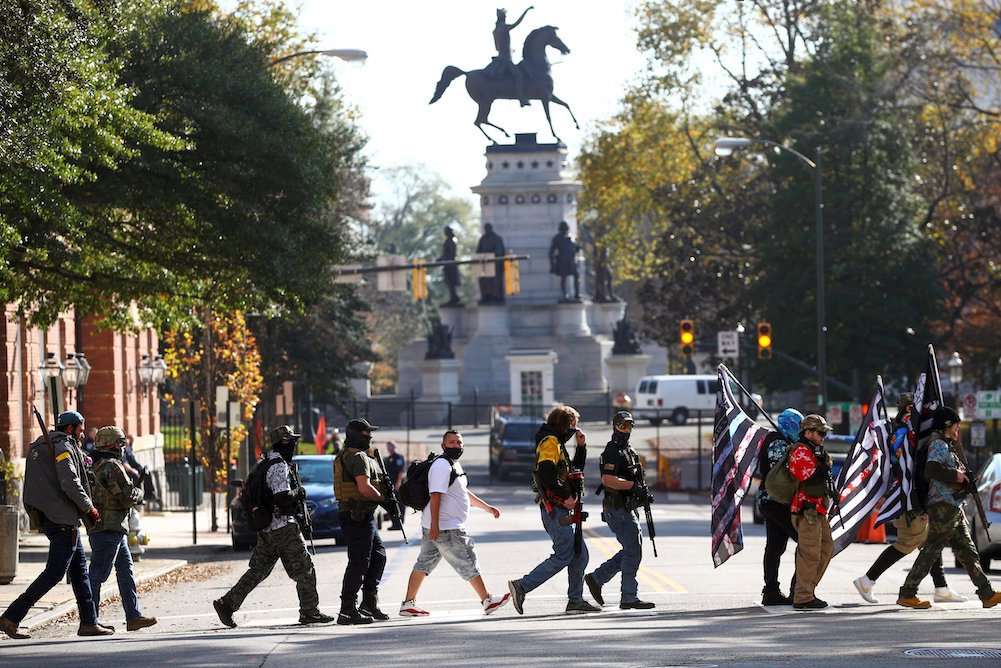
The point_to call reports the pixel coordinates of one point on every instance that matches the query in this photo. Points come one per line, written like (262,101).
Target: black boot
(370,606)
(774,597)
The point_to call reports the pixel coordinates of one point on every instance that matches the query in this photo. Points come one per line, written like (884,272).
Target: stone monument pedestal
(570,319)
(604,315)
(625,371)
(440,380)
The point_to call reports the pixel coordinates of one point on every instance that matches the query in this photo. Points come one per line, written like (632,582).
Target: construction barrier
(868,531)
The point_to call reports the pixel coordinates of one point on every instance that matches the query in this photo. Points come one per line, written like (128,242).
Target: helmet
(944,417)
(815,422)
(68,417)
(623,417)
(789,421)
(108,437)
(281,433)
(905,400)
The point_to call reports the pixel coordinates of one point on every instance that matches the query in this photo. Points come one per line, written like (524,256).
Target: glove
(136,496)
(95,517)
(300,493)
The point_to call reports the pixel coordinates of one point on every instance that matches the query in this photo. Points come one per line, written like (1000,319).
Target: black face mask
(358,440)
(453,453)
(568,434)
(620,438)
(286,450)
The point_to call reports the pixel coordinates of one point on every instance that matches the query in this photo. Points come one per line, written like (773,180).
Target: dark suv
(512,445)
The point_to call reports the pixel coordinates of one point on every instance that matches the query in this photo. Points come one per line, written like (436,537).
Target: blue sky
(409,44)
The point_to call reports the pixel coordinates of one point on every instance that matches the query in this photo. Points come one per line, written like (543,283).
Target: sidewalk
(170,548)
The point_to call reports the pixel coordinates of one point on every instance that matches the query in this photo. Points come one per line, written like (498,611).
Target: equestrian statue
(530,79)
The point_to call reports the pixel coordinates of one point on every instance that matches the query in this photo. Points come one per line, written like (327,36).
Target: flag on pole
(865,475)
(736,442)
(321,435)
(927,397)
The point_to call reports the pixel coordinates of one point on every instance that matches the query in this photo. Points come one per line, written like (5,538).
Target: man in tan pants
(811,465)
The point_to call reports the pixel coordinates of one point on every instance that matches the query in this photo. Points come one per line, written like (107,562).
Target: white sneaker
(864,587)
(410,609)
(492,604)
(947,595)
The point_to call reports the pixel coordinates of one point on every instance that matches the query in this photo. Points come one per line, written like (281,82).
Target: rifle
(306,523)
(647,499)
(577,516)
(392,504)
(970,487)
(835,496)
(88,522)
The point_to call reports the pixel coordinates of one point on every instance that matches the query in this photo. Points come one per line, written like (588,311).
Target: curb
(33,621)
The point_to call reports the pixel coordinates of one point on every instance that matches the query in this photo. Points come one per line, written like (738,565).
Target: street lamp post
(349,55)
(725,146)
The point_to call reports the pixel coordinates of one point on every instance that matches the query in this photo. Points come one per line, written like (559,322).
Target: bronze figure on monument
(451,272)
(492,288)
(530,79)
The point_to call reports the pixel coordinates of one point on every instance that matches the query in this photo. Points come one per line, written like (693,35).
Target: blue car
(317,475)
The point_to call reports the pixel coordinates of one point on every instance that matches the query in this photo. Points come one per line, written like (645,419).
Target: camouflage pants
(947,526)
(288,545)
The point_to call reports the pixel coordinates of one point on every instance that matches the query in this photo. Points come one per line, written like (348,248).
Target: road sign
(978,435)
(728,344)
(970,403)
(854,417)
(989,405)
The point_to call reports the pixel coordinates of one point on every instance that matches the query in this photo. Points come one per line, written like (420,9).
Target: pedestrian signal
(512,279)
(686,336)
(419,280)
(764,341)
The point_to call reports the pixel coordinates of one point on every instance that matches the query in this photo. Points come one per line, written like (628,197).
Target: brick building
(114,393)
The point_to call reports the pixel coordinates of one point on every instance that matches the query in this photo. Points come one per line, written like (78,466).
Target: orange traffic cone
(868,531)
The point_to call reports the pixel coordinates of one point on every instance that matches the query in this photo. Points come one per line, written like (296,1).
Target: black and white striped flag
(865,476)
(927,397)
(736,442)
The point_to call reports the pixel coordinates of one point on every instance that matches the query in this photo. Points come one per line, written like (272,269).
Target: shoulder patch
(61,456)
(610,467)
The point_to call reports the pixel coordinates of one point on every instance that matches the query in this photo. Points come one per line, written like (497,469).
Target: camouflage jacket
(112,495)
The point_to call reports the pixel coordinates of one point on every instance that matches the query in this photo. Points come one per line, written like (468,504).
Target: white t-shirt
(455,503)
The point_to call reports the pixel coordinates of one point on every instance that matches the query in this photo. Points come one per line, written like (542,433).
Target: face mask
(453,453)
(286,450)
(568,434)
(619,437)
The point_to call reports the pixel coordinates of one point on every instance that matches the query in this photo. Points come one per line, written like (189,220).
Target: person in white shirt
(444,530)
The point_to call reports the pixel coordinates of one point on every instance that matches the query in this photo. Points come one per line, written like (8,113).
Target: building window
(531,392)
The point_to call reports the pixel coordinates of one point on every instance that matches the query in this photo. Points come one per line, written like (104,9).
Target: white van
(678,397)
(674,397)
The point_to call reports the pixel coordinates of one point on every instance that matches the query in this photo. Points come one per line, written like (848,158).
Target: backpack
(920,484)
(414,492)
(256,497)
(780,484)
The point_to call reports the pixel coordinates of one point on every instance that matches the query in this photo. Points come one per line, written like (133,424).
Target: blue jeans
(65,554)
(626,528)
(562,556)
(110,549)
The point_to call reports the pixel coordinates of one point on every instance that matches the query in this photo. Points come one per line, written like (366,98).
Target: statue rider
(504,63)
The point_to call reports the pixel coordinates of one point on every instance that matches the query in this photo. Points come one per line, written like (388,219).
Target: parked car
(317,475)
(989,484)
(512,445)
(837,446)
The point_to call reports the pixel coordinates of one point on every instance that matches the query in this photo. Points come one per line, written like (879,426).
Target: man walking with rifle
(281,539)
(623,483)
(942,463)
(57,496)
(559,486)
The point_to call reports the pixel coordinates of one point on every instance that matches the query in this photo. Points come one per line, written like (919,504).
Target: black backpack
(920,483)
(414,492)
(256,498)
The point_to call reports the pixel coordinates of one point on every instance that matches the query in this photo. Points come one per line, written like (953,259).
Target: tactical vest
(622,498)
(345,488)
(102,497)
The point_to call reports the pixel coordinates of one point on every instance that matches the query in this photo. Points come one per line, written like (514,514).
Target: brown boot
(993,600)
(913,602)
(140,623)
(94,630)
(9,626)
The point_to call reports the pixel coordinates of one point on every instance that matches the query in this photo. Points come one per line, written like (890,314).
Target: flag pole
(748,395)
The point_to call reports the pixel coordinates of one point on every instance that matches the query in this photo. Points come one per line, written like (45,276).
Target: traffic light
(764,340)
(686,336)
(512,279)
(419,280)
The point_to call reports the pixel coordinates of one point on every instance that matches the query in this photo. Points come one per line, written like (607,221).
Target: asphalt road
(704,616)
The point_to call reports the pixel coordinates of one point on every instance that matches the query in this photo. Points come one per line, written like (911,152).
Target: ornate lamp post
(151,372)
(955,367)
(50,370)
(725,146)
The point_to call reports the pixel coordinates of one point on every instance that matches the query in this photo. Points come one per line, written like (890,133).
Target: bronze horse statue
(485,87)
